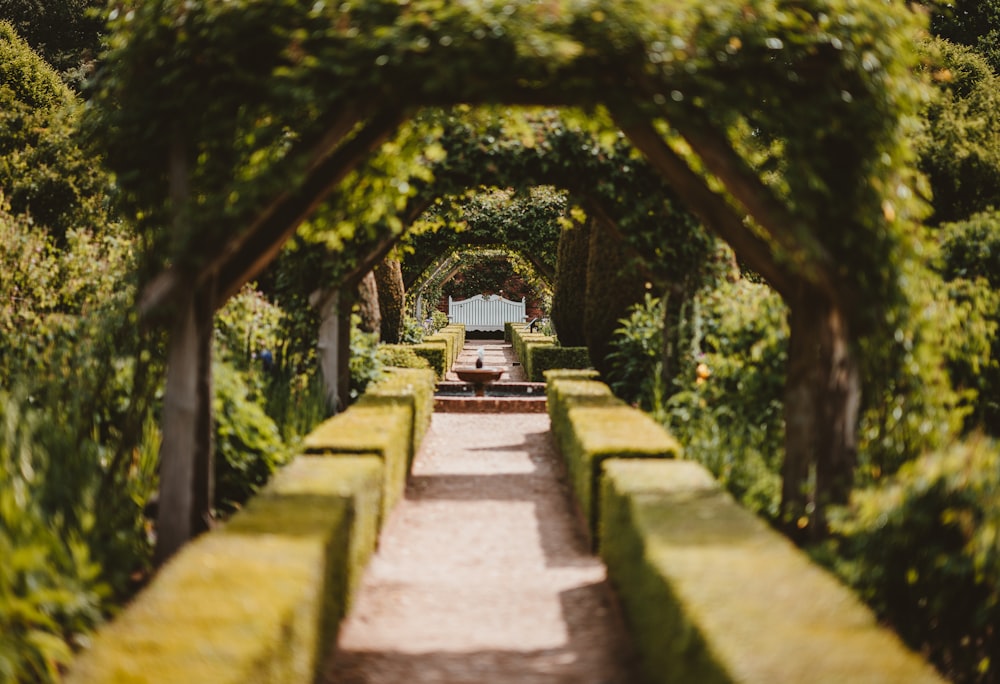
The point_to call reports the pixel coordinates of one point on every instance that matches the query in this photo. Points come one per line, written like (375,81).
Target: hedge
(539,353)
(257,600)
(435,353)
(381,429)
(712,594)
(453,336)
(543,358)
(410,387)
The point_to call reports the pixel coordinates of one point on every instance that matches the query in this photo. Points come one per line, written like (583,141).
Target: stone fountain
(479,378)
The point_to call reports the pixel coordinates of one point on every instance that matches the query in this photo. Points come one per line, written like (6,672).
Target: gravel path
(482,575)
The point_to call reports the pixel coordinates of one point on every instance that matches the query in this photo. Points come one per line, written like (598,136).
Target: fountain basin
(479,377)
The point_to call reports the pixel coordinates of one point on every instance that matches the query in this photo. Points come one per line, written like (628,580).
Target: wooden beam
(245,254)
(713,209)
(813,262)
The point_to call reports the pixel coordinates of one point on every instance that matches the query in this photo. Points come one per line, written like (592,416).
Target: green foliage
(570,288)
(365,366)
(44,170)
(66,33)
(636,356)
(922,548)
(613,285)
(31,81)
(527,222)
(959,148)
(729,412)
(246,325)
(51,592)
(413,330)
(400,356)
(909,406)
(545,358)
(248,446)
(970,263)
(969,22)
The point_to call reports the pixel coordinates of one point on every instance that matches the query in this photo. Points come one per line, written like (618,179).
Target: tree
(974,23)
(66,33)
(959,148)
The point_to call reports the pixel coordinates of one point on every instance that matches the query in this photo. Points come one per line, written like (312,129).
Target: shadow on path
(483,574)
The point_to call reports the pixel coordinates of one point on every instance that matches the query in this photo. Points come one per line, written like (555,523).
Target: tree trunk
(822,400)
(391,298)
(186,473)
(368,304)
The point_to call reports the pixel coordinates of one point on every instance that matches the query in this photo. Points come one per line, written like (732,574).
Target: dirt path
(482,575)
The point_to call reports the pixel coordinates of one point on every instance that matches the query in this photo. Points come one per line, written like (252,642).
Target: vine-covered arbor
(780,124)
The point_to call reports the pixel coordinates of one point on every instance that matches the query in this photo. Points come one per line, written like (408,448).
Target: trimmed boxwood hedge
(539,353)
(382,429)
(543,358)
(410,387)
(712,594)
(259,599)
(591,425)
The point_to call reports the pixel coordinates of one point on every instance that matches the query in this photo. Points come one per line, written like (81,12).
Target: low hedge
(591,425)
(712,594)
(564,390)
(599,433)
(540,353)
(384,429)
(436,355)
(542,358)
(257,600)
(453,336)
(411,387)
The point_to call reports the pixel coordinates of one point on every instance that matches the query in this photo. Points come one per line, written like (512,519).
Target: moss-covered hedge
(591,425)
(258,600)
(453,336)
(440,350)
(381,429)
(539,353)
(435,353)
(712,594)
(544,358)
(409,387)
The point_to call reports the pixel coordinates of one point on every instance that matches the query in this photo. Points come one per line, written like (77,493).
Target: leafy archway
(779,123)
(426,290)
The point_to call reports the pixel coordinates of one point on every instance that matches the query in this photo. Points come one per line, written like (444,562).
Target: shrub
(248,446)
(545,358)
(970,262)
(729,414)
(400,356)
(634,362)
(364,362)
(923,547)
(50,587)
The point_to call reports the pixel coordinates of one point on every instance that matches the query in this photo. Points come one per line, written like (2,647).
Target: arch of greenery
(524,152)
(528,222)
(780,123)
(450,263)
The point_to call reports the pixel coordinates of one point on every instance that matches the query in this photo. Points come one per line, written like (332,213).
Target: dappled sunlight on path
(483,574)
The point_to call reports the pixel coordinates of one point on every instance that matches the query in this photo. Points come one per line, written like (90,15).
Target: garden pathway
(483,575)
